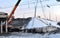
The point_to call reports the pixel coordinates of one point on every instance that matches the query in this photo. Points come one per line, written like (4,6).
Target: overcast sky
(26,8)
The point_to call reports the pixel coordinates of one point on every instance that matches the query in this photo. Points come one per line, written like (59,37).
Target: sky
(27,8)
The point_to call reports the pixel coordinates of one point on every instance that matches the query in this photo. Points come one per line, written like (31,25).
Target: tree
(58,0)
(48,6)
(58,23)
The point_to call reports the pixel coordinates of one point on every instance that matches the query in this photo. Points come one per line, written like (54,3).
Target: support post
(6,27)
(1,27)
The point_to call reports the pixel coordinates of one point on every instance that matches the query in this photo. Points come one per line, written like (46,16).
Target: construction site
(29,19)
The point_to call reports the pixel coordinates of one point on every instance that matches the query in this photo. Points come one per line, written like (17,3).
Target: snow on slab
(53,23)
(34,23)
(37,23)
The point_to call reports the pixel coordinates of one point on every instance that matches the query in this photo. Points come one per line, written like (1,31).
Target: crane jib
(12,13)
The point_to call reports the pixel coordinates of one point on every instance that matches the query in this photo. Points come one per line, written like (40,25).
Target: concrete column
(1,27)
(6,27)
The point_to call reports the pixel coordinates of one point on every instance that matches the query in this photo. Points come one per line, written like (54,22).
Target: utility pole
(49,12)
(35,8)
(28,3)
(35,12)
(56,18)
(49,15)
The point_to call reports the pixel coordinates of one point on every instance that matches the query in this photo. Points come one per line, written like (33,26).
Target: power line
(42,9)
(28,3)
(6,7)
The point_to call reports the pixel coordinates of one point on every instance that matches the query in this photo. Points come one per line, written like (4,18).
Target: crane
(9,19)
(13,11)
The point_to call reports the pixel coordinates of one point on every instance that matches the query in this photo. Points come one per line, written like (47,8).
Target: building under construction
(3,18)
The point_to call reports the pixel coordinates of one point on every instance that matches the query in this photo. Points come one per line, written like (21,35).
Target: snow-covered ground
(30,35)
(37,23)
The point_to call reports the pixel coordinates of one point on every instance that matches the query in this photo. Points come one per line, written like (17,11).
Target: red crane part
(13,11)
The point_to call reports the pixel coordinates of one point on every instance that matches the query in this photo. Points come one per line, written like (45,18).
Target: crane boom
(13,11)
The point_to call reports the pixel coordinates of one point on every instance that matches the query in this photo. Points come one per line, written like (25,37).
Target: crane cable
(42,9)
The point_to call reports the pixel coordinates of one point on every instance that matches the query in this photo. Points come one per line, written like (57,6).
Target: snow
(30,35)
(53,23)
(37,23)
